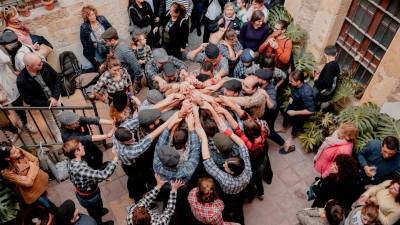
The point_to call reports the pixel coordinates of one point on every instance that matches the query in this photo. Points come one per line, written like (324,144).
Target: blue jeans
(93,204)
(44,201)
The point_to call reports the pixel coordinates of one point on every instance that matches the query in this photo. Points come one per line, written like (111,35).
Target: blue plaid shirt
(218,158)
(184,170)
(127,153)
(152,70)
(228,183)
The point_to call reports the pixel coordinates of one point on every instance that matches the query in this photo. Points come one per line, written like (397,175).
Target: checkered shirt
(184,170)
(218,158)
(108,84)
(86,179)
(228,183)
(223,63)
(152,70)
(208,213)
(156,218)
(127,153)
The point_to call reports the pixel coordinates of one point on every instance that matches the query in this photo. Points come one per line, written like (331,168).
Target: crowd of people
(196,148)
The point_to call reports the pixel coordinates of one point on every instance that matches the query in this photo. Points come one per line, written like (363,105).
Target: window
(367,32)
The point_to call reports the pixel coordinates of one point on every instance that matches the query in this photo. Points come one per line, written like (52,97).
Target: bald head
(250,85)
(33,62)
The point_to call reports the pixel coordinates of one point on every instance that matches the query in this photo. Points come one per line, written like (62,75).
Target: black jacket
(141,17)
(31,91)
(214,27)
(178,34)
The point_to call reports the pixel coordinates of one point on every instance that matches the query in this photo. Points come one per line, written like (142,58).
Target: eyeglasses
(277,28)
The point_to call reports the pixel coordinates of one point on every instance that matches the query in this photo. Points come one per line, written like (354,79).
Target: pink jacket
(326,158)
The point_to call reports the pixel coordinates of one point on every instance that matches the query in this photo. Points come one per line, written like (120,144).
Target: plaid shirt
(156,218)
(228,183)
(242,71)
(127,153)
(218,158)
(152,70)
(108,84)
(208,213)
(144,53)
(223,49)
(185,169)
(86,179)
(223,63)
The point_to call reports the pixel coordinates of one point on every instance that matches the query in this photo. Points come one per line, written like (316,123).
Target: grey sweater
(125,54)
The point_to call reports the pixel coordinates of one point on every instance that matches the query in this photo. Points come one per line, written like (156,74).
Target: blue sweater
(252,38)
(371,155)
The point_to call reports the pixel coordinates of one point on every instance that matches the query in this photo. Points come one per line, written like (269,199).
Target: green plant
(295,33)
(278,13)
(388,126)
(9,205)
(364,117)
(305,61)
(21,4)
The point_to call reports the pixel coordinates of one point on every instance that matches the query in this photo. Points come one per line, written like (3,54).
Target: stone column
(385,84)
(322,19)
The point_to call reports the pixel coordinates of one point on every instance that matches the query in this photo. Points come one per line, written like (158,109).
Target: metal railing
(44,136)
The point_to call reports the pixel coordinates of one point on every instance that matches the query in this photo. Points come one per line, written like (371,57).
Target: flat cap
(264,74)
(160,55)
(110,33)
(68,117)
(247,56)
(168,155)
(169,69)
(154,96)
(223,143)
(212,51)
(8,37)
(148,116)
(233,85)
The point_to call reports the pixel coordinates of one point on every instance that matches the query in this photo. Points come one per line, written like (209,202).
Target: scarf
(228,20)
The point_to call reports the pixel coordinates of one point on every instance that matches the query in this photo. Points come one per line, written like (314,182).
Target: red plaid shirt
(208,213)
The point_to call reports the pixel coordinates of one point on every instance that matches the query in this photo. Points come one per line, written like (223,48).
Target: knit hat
(247,56)
(120,100)
(168,155)
(110,33)
(148,116)
(68,117)
(212,51)
(169,69)
(233,85)
(8,37)
(154,96)
(65,212)
(203,77)
(160,55)
(223,143)
(263,74)
(166,115)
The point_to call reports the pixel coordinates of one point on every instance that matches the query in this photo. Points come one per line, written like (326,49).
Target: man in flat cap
(155,66)
(125,55)
(74,126)
(210,52)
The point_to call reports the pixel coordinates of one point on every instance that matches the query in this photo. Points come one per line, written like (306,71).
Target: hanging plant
(9,205)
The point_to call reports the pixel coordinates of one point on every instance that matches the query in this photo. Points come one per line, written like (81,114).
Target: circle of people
(198,142)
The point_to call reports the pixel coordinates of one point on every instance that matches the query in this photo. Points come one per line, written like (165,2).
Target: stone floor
(286,195)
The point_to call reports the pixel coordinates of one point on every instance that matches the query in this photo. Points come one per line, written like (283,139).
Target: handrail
(47,108)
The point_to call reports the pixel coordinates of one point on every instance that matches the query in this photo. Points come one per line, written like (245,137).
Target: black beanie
(212,51)
(120,100)
(65,212)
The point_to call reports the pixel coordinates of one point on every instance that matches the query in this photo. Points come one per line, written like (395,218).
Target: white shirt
(19,57)
(8,80)
(250,12)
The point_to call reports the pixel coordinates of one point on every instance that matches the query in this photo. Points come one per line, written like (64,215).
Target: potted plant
(23,8)
(48,4)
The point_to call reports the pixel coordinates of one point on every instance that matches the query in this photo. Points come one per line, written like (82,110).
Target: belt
(85,194)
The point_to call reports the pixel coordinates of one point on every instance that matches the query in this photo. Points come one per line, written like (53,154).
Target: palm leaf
(9,205)
(295,33)
(364,117)
(363,139)
(388,126)
(344,89)
(312,137)
(278,13)
(305,62)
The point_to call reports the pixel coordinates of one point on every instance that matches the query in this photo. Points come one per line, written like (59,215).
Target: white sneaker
(30,128)
(14,137)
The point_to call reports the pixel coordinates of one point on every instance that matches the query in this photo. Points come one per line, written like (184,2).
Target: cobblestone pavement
(286,195)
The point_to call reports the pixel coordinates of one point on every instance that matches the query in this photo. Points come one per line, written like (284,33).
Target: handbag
(50,161)
(311,193)
(217,36)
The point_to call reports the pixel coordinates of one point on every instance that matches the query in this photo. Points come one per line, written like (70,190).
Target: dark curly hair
(347,168)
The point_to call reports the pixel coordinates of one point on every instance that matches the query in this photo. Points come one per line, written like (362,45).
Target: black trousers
(21,113)
(296,121)
(270,116)
(140,180)
(206,34)
(93,156)
(233,210)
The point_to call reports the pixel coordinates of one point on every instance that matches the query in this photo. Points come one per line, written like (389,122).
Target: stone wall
(322,19)
(61,25)
(385,84)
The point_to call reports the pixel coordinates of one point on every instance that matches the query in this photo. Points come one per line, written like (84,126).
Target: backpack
(70,69)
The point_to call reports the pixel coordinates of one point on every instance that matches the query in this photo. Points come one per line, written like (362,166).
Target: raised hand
(176,184)
(160,181)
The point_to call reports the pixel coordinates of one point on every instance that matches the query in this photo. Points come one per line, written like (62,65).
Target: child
(141,49)
(241,10)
